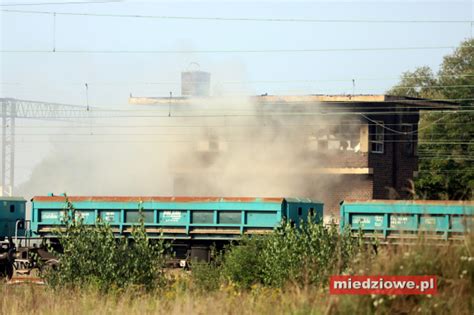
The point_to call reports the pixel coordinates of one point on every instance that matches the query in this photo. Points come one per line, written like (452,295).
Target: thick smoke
(272,149)
(219,147)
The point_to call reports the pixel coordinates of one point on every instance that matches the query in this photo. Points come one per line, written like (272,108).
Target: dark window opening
(377,137)
(311,211)
(12,208)
(300,211)
(408,140)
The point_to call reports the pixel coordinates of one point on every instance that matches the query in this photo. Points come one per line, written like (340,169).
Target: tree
(446,145)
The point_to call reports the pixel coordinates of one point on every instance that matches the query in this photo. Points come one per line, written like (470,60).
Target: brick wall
(393,169)
(343,159)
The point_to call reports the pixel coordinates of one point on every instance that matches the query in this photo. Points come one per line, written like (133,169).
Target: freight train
(193,224)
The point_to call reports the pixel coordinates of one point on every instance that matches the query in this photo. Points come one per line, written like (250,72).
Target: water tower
(195,82)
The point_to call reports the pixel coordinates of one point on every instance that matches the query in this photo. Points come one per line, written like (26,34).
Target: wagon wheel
(7,270)
(50,264)
(10,264)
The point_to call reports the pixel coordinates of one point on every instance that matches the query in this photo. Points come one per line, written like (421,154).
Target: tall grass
(453,264)
(285,272)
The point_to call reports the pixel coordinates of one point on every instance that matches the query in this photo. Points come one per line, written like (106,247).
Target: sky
(111,77)
(119,56)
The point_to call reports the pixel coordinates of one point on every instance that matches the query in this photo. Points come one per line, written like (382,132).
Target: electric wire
(244,19)
(274,81)
(230,51)
(50,3)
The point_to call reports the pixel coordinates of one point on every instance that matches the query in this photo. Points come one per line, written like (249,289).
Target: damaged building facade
(327,147)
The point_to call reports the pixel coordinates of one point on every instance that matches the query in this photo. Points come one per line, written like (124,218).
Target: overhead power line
(270,107)
(255,106)
(238,82)
(269,114)
(53,3)
(265,81)
(210,126)
(403,132)
(271,110)
(244,141)
(231,51)
(464,170)
(294,134)
(445,158)
(247,19)
(434,86)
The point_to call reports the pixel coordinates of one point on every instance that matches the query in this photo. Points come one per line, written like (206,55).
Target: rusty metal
(421,202)
(25,279)
(152,199)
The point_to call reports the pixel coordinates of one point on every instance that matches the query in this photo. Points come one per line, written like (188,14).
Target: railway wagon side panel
(185,218)
(299,209)
(405,219)
(12,209)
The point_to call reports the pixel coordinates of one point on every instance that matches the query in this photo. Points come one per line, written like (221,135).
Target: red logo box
(390,285)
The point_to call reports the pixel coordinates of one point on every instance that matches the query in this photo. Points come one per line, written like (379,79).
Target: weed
(95,256)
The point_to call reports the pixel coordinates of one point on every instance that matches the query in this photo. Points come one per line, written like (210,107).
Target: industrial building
(344,146)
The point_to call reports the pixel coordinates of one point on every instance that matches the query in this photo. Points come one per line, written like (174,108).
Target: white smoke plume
(210,147)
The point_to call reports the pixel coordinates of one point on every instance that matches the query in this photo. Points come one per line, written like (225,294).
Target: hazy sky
(60,77)
(111,77)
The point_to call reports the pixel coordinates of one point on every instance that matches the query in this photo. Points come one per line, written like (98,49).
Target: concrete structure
(195,83)
(348,146)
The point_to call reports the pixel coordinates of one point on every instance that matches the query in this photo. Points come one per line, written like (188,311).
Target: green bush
(94,256)
(242,264)
(307,255)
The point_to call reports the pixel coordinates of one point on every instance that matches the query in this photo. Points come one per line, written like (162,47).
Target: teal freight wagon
(12,216)
(397,219)
(190,222)
(12,224)
(176,217)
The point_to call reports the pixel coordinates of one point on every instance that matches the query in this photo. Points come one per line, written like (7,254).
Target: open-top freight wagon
(12,212)
(12,222)
(193,224)
(397,220)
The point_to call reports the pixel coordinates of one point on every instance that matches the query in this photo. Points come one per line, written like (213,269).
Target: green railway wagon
(12,224)
(12,210)
(176,217)
(407,219)
(192,224)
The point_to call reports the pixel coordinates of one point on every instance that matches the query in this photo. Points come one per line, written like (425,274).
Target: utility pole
(8,148)
(13,109)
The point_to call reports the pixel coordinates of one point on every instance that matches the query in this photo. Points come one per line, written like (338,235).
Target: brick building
(338,147)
